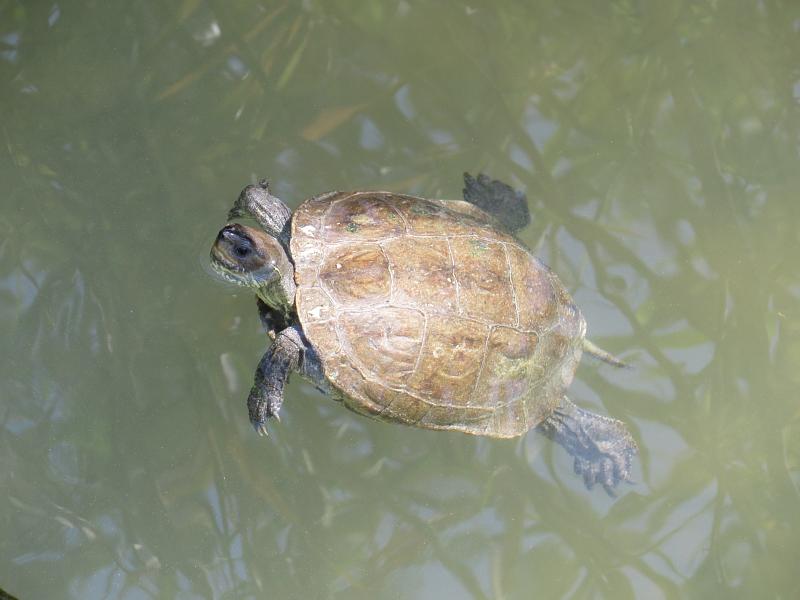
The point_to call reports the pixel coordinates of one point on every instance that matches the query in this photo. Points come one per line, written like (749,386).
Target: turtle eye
(241,251)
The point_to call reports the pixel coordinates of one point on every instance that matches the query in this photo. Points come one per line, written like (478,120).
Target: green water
(658,146)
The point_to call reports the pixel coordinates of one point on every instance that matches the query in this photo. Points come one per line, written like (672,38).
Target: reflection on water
(658,148)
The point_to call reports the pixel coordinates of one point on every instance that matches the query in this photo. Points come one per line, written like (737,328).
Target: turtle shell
(424,312)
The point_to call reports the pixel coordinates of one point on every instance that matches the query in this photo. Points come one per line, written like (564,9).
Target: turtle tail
(601,354)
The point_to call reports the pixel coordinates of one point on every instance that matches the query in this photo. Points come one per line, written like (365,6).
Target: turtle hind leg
(504,203)
(602,447)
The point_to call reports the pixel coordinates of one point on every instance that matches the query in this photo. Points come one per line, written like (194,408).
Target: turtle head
(252,258)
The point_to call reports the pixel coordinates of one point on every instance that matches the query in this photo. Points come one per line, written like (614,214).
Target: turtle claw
(607,470)
(262,407)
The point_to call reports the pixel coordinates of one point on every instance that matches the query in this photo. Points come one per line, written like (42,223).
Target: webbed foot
(607,468)
(602,447)
(499,199)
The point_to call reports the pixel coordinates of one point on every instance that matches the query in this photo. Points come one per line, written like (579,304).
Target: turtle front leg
(602,447)
(269,211)
(266,397)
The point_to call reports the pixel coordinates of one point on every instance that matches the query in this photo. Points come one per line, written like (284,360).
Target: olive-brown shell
(423,312)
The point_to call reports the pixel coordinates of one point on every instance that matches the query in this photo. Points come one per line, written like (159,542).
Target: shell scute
(450,360)
(385,342)
(508,376)
(428,281)
(356,274)
(537,296)
(361,217)
(484,280)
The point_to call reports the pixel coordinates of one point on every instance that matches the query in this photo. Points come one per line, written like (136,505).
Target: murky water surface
(658,146)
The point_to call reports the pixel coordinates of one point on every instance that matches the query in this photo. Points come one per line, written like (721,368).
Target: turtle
(425,312)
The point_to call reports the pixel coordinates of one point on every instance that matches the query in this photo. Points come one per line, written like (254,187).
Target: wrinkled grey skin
(602,447)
